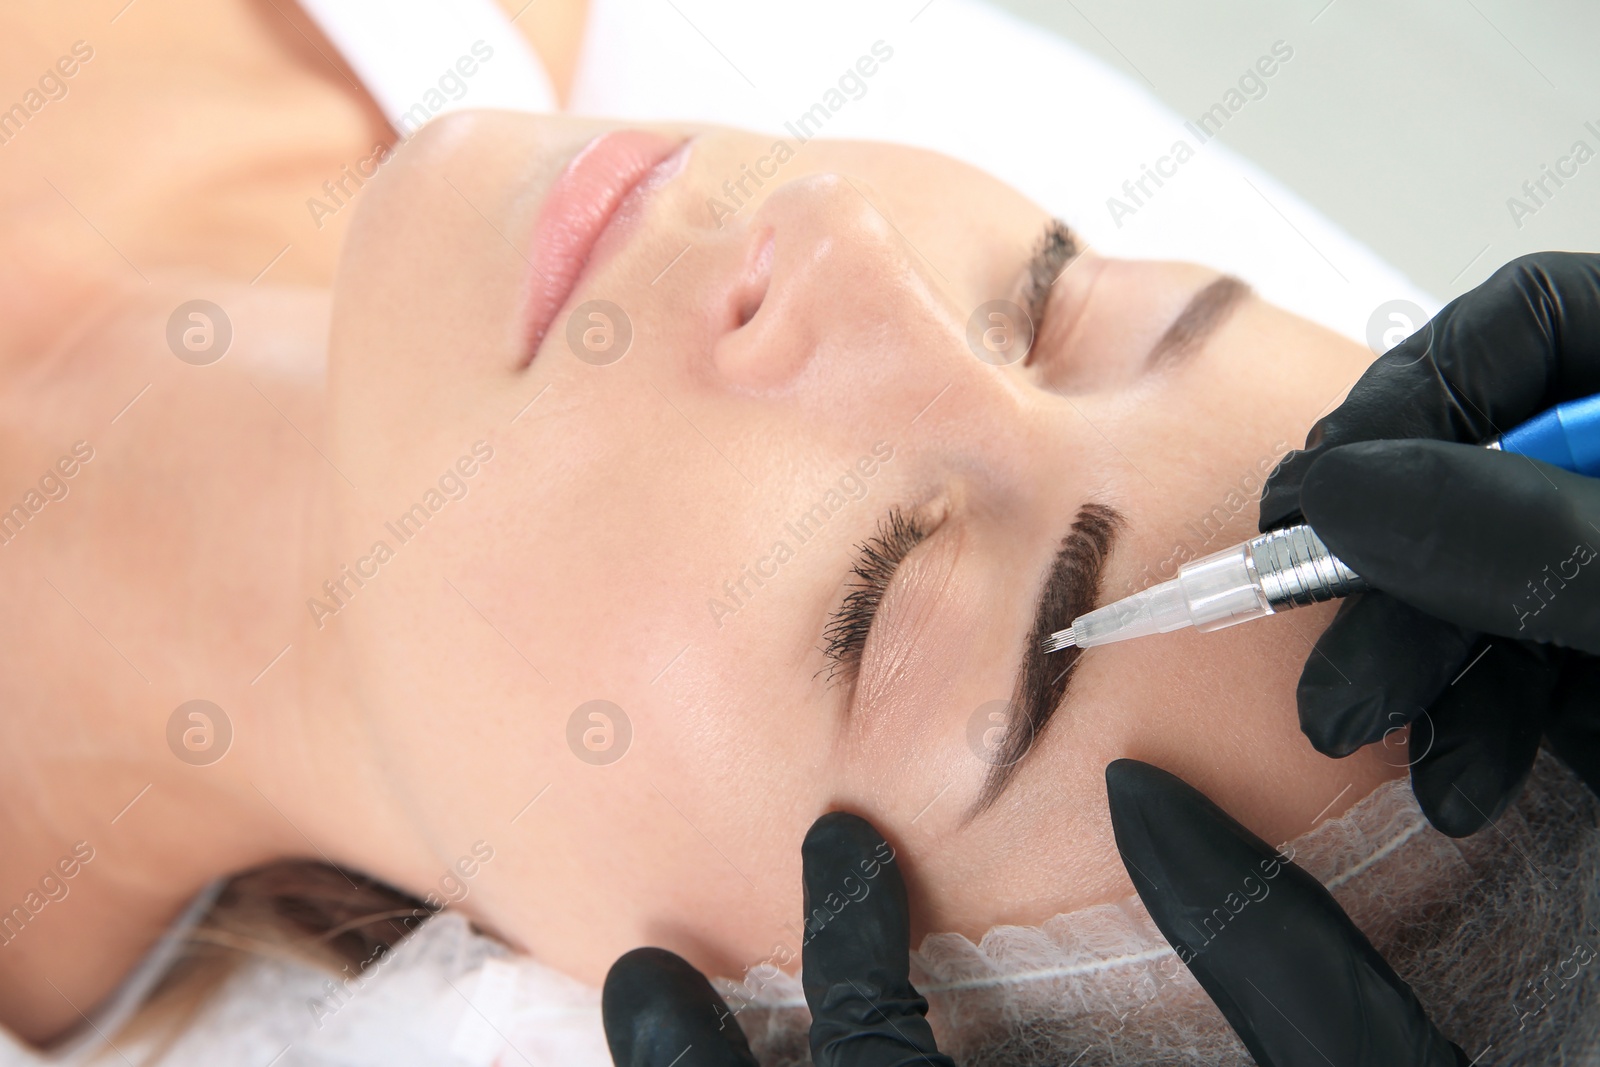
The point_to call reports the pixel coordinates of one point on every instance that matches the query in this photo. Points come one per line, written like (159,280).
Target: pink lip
(580,206)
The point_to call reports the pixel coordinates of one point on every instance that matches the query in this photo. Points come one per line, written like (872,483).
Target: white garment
(963,79)
(418,60)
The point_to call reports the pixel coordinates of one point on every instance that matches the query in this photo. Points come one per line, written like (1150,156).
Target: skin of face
(814,329)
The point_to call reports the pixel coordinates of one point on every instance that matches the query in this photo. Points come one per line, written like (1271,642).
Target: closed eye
(1053,253)
(877,558)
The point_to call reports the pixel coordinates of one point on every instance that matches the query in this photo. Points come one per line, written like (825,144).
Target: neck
(174,567)
(175,562)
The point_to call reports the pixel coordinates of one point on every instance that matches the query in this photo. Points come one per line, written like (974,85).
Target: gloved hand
(855,966)
(1488,562)
(1295,978)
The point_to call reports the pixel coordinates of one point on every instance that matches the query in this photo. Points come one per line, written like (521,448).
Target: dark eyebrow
(1072,588)
(1204,312)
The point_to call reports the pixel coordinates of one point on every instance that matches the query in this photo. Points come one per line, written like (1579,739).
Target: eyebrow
(1200,317)
(1070,590)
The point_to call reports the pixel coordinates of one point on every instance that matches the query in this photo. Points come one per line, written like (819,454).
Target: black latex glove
(1298,982)
(855,966)
(1478,553)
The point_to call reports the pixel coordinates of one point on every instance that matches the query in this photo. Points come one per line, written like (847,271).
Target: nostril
(751,288)
(747,311)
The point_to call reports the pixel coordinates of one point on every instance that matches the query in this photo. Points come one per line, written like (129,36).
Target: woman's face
(675,531)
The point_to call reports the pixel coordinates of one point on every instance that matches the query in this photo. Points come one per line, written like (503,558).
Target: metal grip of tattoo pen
(1295,568)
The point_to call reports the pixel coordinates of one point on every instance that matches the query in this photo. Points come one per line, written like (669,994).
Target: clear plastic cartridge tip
(1282,569)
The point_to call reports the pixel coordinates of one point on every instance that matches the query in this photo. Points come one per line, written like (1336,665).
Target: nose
(826,283)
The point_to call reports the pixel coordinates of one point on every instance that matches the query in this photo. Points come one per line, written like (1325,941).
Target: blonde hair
(301,910)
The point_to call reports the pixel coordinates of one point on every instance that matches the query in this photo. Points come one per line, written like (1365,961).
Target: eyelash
(1057,247)
(876,561)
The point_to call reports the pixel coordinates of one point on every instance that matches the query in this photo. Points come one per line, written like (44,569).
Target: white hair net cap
(1109,967)
(1496,933)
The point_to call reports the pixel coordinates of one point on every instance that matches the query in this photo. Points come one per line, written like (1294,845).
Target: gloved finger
(1373,670)
(1488,540)
(1573,729)
(1525,339)
(1484,734)
(856,959)
(1295,978)
(659,1011)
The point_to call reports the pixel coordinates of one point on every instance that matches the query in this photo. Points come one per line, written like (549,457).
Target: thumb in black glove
(855,966)
(1295,978)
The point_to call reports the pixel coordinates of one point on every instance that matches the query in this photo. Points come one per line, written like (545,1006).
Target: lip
(581,205)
